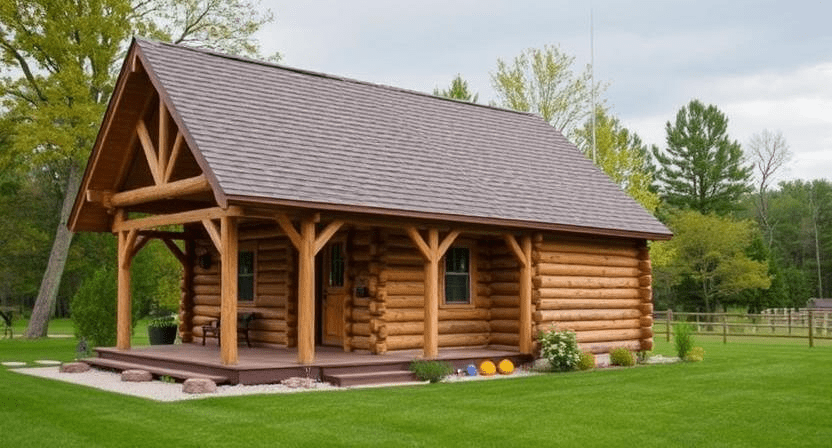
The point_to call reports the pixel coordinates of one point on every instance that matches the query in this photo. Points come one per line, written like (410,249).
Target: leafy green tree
(61,57)
(711,251)
(621,154)
(458,90)
(541,81)
(702,169)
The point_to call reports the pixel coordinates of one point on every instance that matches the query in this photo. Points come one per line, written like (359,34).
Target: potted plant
(162,329)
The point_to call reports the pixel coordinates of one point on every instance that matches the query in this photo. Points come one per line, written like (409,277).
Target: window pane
(456,260)
(456,288)
(336,265)
(457,278)
(245,276)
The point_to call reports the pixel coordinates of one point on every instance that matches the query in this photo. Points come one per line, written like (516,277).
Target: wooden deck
(260,365)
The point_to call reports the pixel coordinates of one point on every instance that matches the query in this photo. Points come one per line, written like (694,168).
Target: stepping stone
(74,367)
(136,376)
(199,386)
(47,362)
(13,364)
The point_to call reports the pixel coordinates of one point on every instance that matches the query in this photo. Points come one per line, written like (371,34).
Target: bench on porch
(244,320)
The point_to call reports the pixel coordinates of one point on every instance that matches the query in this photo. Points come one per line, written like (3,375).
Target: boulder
(136,376)
(298,382)
(74,367)
(199,386)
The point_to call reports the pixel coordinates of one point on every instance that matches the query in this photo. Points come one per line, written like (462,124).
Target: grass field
(746,393)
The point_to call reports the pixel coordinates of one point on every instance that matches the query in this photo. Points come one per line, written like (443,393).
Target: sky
(765,64)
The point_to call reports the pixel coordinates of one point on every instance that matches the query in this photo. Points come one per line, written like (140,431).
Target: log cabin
(360,216)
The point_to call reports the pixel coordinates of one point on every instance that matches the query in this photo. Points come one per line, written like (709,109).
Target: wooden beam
(306,292)
(149,151)
(214,233)
(446,243)
(431,348)
(141,241)
(104,197)
(228,294)
(176,251)
(289,228)
(163,234)
(176,218)
(515,248)
(130,148)
(123,304)
(174,156)
(184,187)
(163,139)
(326,235)
(526,343)
(420,243)
(127,249)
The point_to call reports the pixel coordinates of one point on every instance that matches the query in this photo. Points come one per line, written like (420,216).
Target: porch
(261,365)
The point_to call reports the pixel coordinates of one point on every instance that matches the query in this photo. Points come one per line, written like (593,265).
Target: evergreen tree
(702,169)
(458,91)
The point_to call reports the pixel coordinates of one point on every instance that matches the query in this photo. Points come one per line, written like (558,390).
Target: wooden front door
(335,293)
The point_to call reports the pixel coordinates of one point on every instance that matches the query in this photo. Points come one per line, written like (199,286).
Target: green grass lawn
(746,393)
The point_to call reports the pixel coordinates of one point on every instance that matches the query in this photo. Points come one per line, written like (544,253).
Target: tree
(702,169)
(621,155)
(61,58)
(541,81)
(458,90)
(711,251)
(768,153)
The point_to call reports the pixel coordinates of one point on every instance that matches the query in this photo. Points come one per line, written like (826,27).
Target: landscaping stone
(75,367)
(13,364)
(659,359)
(298,382)
(136,376)
(199,386)
(47,362)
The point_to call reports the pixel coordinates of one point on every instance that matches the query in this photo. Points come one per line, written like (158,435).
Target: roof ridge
(303,71)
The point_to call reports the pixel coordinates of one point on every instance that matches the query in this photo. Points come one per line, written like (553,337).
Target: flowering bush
(560,348)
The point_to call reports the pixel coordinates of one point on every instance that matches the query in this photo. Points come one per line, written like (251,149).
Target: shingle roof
(269,132)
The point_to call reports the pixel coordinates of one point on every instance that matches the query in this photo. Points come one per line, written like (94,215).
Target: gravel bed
(157,390)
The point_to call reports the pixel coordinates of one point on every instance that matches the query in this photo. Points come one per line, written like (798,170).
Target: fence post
(724,328)
(790,321)
(811,330)
(669,318)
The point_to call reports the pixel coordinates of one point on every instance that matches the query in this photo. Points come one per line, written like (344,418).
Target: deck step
(158,371)
(367,378)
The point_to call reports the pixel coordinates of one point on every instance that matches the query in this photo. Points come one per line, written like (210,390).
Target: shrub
(433,371)
(643,356)
(587,361)
(93,309)
(683,339)
(622,357)
(695,354)
(560,348)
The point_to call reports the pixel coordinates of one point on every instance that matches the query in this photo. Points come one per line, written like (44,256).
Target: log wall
(275,302)
(598,288)
(504,287)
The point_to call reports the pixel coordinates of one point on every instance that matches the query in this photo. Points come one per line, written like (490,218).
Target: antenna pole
(592,79)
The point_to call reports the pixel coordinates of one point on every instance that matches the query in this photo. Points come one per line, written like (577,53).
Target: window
(336,265)
(458,275)
(245,276)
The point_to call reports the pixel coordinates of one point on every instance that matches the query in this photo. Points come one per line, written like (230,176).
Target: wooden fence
(803,323)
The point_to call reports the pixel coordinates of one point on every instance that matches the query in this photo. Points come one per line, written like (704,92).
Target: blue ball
(471,370)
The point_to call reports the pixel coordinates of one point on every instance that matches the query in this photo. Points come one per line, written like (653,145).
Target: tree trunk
(39,323)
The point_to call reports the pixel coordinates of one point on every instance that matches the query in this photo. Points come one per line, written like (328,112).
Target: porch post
(431,349)
(523,253)
(306,292)
(124,304)
(228,296)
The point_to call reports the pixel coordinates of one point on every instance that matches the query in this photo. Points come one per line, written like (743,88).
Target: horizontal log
(504,339)
(645,294)
(586,282)
(646,321)
(645,267)
(506,276)
(505,289)
(282,244)
(608,335)
(418,314)
(588,248)
(273,289)
(207,289)
(207,310)
(361,302)
(591,325)
(260,233)
(402,275)
(282,277)
(504,313)
(214,269)
(405,301)
(504,326)
(647,344)
(645,280)
(503,264)
(275,256)
(268,312)
(570,315)
(578,304)
(403,259)
(360,342)
(504,301)
(360,315)
(207,299)
(606,347)
(359,329)
(269,325)
(463,314)
(273,337)
(586,270)
(198,321)
(206,279)
(405,288)
(463,340)
(647,309)
(445,327)
(591,260)
(404,342)
(271,301)
(272,265)
(574,293)
(179,188)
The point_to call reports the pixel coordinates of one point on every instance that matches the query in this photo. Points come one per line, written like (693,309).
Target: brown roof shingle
(273,133)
